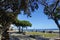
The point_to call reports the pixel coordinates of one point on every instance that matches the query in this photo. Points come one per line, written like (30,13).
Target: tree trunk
(0,36)
(0,33)
(59,32)
(26,28)
(5,35)
(57,23)
(22,29)
(19,29)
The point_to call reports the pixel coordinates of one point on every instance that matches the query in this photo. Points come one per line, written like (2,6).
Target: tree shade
(9,10)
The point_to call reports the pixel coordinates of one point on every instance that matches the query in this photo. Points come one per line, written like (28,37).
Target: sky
(39,20)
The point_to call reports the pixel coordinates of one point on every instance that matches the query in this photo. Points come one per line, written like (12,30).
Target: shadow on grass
(37,37)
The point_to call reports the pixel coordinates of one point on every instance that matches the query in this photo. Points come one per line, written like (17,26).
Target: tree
(25,24)
(52,11)
(22,24)
(9,9)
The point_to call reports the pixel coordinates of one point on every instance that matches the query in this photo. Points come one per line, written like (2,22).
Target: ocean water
(40,30)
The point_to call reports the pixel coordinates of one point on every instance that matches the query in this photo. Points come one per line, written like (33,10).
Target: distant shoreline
(42,29)
(39,30)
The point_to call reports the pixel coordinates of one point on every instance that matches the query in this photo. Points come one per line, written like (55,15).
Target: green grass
(42,34)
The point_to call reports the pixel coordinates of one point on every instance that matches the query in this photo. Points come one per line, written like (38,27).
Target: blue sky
(39,20)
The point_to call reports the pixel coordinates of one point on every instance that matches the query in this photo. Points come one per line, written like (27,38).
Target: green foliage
(19,5)
(9,9)
(22,23)
(52,10)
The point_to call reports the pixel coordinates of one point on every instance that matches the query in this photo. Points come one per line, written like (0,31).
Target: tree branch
(55,5)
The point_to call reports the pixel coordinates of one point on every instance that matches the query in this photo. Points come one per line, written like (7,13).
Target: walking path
(20,37)
(25,37)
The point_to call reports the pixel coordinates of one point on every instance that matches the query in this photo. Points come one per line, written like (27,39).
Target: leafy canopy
(23,23)
(9,9)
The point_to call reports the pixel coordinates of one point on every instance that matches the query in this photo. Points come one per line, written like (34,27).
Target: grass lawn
(42,34)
